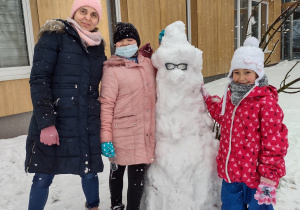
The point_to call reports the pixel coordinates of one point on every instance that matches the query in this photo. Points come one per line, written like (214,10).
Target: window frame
(22,72)
(238,28)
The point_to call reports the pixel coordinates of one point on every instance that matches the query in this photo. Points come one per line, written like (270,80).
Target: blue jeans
(239,196)
(40,190)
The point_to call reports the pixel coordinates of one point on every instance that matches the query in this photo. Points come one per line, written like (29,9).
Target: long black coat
(64,83)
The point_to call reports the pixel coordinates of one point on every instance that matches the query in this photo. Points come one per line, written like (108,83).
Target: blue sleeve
(44,62)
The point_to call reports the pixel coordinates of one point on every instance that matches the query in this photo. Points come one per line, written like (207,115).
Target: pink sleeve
(108,97)
(214,106)
(274,141)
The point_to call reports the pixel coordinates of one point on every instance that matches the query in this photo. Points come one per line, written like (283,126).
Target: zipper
(30,158)
(231,127)
(78,37)
(229,149)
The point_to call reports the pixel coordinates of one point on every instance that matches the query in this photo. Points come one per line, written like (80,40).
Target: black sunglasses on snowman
(171,66)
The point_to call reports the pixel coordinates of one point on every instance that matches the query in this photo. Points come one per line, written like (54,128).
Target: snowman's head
(176,59)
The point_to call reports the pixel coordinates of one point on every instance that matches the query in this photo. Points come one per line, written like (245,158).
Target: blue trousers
(238,196)
(40,190)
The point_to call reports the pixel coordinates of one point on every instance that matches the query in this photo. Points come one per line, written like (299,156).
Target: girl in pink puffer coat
(128,115)
(253,140)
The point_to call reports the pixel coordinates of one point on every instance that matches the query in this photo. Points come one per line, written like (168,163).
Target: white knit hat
(249,56)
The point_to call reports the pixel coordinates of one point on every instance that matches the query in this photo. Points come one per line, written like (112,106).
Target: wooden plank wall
(15,94)
(274,12)
(49,9)
(151,16)
(212,26)
(35,18)
(215,27)
(194,22)
(14,97)
(215,35)
(212,32)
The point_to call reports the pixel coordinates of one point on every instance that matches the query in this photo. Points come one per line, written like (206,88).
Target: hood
(60,26)
(54,25)
(259,92)
(115,60)
(264,91)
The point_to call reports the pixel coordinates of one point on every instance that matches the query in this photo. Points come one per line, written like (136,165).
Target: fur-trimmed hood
(50,26)
(59,26)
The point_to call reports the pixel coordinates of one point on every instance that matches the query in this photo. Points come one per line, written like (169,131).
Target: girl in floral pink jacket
(253,138)
(128,115)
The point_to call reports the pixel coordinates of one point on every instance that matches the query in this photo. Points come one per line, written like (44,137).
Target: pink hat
(96,4)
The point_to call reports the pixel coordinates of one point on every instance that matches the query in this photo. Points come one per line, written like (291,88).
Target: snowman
(183,175)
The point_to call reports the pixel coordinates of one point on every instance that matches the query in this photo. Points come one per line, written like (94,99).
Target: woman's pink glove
(266,192)
(204,92)
(49,136)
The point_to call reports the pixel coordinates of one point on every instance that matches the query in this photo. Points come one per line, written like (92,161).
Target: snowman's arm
(108,97)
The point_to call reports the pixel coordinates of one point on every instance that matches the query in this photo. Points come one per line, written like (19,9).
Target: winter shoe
(94,208)
(119,207)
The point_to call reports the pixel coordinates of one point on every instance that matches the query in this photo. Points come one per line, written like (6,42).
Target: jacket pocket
(124,122)
(65,90)
(64,86)
(66,107)
(124,127)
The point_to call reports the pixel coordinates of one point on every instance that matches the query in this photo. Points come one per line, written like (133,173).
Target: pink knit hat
(96,4)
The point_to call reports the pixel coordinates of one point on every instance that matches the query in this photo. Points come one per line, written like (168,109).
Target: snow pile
(183,175)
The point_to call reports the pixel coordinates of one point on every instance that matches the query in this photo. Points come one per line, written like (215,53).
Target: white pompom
(251,41)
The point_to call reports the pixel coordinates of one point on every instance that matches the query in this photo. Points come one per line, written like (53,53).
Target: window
(291,37)
(258,24)
(16,40)
(286,1)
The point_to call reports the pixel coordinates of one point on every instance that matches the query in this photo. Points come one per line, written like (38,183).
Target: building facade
(216,27)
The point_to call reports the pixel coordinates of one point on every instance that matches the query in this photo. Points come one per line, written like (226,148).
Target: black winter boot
(119,207)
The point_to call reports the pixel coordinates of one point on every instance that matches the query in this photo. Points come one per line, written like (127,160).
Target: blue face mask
(127,51)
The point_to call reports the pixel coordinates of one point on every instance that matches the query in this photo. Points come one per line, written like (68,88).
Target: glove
(49,136)
(266,192)
(146,50)
(204,92)
(107,149)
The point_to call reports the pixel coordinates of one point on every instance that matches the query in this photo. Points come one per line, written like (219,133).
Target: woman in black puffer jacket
(63,135)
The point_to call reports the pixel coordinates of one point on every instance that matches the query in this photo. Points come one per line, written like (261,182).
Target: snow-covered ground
(66,192)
